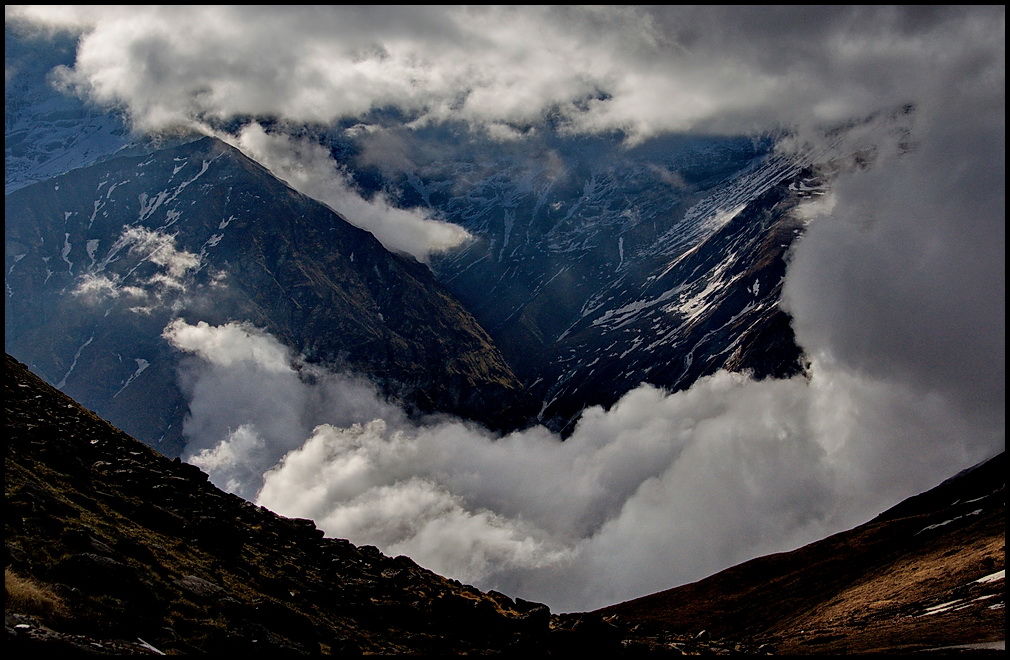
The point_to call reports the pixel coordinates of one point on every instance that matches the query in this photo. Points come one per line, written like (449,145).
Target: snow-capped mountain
(594,266)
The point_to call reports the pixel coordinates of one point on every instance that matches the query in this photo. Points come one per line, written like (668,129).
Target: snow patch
(141,365)
(91,247)
(60,385)
(947,522)
(17,258)
(992,577)
(66,251)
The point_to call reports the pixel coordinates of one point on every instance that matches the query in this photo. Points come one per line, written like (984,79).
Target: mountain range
(596,267)
(588,267)
(103,258)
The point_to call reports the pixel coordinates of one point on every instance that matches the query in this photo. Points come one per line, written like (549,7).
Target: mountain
(595,265)
(598,266)
(926,574)
(112,548)
(101,259)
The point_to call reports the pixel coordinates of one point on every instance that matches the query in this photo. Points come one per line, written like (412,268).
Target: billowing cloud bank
(641,69)
(661,489)
(897,290)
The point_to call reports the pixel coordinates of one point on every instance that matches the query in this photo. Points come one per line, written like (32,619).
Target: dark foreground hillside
(928,574)
(111,547)
(114,548)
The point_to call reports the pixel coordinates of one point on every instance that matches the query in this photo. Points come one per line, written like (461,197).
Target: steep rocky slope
(927,574)
(101,259)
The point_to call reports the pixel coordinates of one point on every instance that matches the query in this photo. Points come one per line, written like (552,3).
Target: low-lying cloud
(660,490)
(170,277)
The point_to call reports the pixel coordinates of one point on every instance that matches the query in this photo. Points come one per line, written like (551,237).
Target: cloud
(903,276)
(159,248)
(638,69)
(309,168)
(239,377)
(146,293)
(661,489)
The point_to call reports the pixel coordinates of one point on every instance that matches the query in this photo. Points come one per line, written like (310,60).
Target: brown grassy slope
(867,590)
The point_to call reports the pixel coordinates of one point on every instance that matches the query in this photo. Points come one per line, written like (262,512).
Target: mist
(896,290)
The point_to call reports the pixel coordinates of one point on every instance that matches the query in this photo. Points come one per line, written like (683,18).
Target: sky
(896,289)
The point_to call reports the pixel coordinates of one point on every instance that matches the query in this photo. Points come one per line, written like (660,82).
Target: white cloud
(241,377)
(145,293)
(159,248)
(662,489)
(640,69)
(309,169)
(233,461)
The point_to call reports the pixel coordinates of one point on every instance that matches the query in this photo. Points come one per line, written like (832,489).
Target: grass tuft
(26,596)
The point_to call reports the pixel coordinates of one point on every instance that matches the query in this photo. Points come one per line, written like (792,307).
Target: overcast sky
(897,289)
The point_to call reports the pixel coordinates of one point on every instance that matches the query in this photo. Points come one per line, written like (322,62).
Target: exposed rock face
(102,258)
(145,555)
(926,574)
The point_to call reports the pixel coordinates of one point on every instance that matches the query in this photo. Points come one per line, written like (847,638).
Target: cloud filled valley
(896,289)
(662,489)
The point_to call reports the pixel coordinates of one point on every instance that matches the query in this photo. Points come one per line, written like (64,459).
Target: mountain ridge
(117,250)
(926,574)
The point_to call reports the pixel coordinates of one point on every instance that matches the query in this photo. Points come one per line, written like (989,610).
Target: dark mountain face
(598,267)
(101,259)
